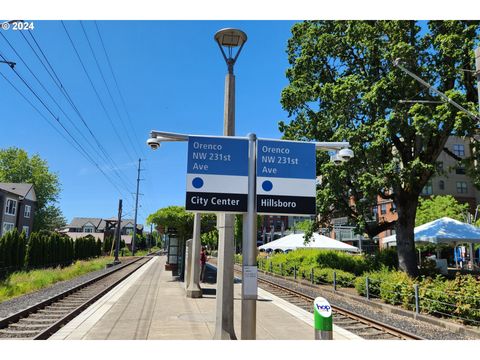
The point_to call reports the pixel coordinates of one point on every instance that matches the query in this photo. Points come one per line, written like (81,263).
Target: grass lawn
(24,282)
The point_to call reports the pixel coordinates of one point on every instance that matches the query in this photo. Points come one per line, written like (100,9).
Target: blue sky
(171,75)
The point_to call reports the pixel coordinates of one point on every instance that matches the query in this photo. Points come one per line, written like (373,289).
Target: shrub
(385,258)
(325,275)
(305,259)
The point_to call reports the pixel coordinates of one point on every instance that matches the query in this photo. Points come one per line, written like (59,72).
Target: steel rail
(388,329)
(44,334)
(338,309)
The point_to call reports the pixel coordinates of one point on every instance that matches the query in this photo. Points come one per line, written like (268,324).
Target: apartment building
(17,204)
(451,181)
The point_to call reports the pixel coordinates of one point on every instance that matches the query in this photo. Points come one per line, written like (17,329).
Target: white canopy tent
(442,231)
(296,241)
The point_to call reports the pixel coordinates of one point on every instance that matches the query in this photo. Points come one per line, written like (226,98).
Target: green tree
(436,207)
(210,239)
(343,86)
(17,167)
(304,225)
(175,217)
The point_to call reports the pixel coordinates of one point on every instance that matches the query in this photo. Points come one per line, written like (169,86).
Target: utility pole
(136,209)
(477,72)
(117,233)
(151,237)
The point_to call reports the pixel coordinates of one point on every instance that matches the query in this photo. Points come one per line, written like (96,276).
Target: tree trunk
(407,209)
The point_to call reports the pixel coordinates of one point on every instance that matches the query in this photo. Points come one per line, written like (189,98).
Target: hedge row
(458,298)
(12,250)
(315,258)
(86,247)
(44,249)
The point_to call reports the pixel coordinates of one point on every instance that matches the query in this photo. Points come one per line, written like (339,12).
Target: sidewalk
(151,304)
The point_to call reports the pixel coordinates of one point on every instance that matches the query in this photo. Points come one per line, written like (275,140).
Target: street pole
(117,232)
(193,286)
(151,237)
(249,251)
(136,210)
(224,329)
(477,72)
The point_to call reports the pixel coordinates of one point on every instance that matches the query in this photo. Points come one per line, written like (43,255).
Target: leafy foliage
(343,86)
(17,167)
(436,207)
(175,217)
(210,239)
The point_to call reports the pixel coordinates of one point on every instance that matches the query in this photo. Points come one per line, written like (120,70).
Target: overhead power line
(127,132)
(96,93)
(125,108)
(53,75)
(80,148)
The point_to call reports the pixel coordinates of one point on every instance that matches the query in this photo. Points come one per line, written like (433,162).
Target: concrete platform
(151,304)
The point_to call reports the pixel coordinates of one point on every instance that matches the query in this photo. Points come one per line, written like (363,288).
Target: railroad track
(40,321)
(357,324)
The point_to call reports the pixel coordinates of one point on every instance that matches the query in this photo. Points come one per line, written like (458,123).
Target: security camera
(345,154)
(336,159)
(153,143)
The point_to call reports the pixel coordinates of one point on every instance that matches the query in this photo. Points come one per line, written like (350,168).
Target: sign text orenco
(217,174)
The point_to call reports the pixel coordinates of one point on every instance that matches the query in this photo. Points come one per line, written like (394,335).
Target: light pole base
(194,292)
(224,335)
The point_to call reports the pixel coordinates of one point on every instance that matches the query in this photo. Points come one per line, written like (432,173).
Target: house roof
(20,189)
(98,222)
(81,221)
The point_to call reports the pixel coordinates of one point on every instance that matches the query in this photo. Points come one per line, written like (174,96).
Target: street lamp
(228,41)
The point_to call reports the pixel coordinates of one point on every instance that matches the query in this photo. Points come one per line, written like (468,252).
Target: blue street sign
(286,181)
(217,174)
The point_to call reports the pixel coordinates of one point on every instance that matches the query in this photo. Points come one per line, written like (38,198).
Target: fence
(422,297)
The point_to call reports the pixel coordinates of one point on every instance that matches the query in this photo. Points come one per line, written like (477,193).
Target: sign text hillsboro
(286,177)
(217,174)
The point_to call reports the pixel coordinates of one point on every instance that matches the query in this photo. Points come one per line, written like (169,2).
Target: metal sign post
(249,252)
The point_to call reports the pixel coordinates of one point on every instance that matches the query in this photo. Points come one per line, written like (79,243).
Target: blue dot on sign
(197,183)
(267,185)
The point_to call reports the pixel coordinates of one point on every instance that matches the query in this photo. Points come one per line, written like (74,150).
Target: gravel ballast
(423,329)
(20,303)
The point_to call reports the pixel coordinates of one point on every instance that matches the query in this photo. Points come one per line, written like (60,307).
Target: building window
(440,166)
(26,229)
(88,229)
(441,185)
(7,227)
(461,187)
(383,208)
(460,170)
(459,149)
(28,210)
(427,189)
(11,207)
